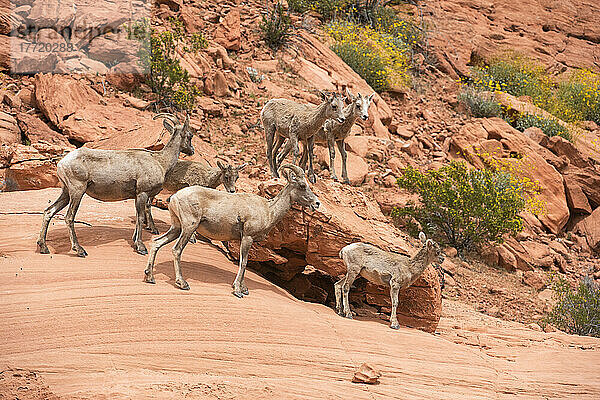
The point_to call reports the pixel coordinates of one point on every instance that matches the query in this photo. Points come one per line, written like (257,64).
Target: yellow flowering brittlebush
(464,208)
(378,57)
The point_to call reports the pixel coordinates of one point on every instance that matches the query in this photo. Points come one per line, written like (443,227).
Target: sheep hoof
(183,285)
(312,178)
(141,250)
(149,279)
(238,294)
(347,181)
(349,316)
(395,326)
(43,249)
(154,231)
(81,252)
(245,291)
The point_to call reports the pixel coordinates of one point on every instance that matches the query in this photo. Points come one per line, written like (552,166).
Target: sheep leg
(140,209)
(270,135)
(278,143)
(311,172)
(330,144)
(149,221)
(75,195)
(394,291)
(350,277)
(304,158)
(238,284)
(50,212)
(342,149)
(159,242)
(338,295)
(182,241)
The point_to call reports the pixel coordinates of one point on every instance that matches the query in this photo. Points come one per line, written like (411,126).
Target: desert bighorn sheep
(335,132)
(383,268)
(113,175)
(189,173)
(225,216)
(282,118)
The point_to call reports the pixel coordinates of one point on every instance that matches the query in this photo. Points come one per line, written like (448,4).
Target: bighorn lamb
(295,121)
(113,175)
(225,216)
(335,132)
(383,268)
(189,173)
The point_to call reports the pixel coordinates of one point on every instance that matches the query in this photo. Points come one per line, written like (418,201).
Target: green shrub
(463,208)
(479,104)
(157,55)
(577,310)
(579,98)
(549,126)
(275,26)
(328,9)
(517,75)
(365,62)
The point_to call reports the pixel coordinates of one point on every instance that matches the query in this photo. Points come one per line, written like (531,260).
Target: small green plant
(549,126)
(577,310)
(197,42)
(480,104)
(463,208)
(328,9)
(276,26)
(158,56)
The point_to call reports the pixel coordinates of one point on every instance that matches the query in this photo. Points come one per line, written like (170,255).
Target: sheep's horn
(294,168)
(168,116)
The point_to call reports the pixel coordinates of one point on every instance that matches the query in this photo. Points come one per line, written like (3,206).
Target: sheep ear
(349,95)
(371,97)
(422,237)
(323,95)
(220,164)
(241,167)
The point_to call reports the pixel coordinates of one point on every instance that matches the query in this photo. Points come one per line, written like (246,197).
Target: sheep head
(300,191)
(229,175)
(174,126)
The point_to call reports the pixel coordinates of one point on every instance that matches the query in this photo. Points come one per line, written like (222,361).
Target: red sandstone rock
(366,374)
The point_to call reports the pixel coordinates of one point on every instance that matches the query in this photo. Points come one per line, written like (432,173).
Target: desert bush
(379,58)
(480,104)
(157,55)
(517,75)
(462,207)
(579,98)
(577,310)
(275,26)
(328,9)
(549,126)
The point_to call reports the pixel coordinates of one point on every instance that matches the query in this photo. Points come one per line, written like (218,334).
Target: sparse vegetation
(549,126)
(578,99)
(157,56)
(328,9)
(480,104)
(463,208)
(275,26)
(577,310)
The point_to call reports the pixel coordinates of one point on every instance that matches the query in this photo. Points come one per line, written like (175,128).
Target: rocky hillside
(101,103)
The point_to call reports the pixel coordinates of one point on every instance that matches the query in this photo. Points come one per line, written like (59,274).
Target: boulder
(9,130)
(366,374)
(535,279)
(51,14)
(228,33)
(36,130)
(125,76)
(31,167)
(112,49)
(346,216)
(589,227)
(576,199)
(59,96)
